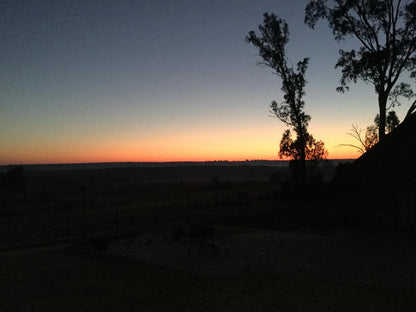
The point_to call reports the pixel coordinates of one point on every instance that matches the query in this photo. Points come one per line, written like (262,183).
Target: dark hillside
(392,162)
(378,189)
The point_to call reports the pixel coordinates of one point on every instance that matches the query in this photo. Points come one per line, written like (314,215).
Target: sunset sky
(103,81)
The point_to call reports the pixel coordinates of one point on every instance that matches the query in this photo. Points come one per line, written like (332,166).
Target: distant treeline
(110,165)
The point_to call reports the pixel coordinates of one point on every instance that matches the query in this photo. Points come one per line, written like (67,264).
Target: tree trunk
(302,163)
(382,104)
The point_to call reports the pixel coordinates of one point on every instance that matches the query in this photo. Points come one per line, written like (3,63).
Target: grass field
(65,204)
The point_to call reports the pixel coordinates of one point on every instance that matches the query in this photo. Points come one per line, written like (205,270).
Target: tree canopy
(386,32)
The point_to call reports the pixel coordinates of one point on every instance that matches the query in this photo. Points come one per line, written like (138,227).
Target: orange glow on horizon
(149,154)
(232,144)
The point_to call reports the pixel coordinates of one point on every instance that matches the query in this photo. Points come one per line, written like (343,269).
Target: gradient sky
(98,81)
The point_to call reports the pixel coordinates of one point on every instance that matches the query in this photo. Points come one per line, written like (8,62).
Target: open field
(108,240)
(63,205)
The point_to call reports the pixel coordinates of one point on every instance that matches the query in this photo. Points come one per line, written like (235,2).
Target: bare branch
(360,149)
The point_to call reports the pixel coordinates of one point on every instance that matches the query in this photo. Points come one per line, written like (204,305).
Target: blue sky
(84,81)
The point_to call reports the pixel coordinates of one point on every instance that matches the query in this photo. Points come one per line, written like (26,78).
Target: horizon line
(155,162)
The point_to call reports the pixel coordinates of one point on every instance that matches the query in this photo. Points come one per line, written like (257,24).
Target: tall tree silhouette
(271,43)
(386,32)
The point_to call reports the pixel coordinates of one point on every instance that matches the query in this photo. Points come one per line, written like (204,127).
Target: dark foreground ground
(104,241)
(59,280)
